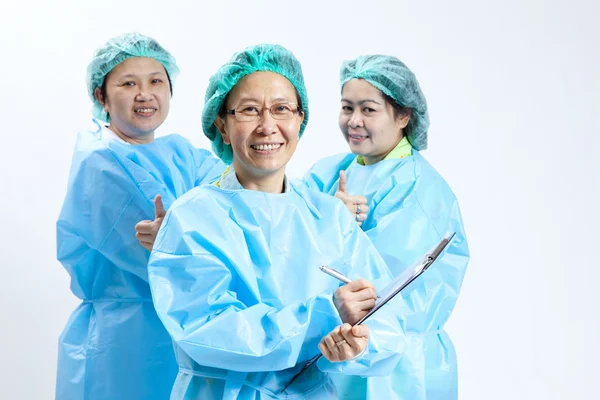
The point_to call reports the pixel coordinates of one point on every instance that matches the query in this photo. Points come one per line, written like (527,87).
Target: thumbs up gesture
(357,205)
(146,231)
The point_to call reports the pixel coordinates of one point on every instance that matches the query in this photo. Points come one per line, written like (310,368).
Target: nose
(144,93)
(355,120)
(266,125)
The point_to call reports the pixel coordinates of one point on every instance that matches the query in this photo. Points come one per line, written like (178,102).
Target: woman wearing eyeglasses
(235,268)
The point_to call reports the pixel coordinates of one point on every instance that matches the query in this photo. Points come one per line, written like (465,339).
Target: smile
(145,111)
(358,137)
(266,147)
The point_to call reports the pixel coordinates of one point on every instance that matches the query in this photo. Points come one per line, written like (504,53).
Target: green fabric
(402,149)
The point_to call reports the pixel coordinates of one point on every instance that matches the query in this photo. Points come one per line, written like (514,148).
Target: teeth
(266,147)
(358,137)
(144,110)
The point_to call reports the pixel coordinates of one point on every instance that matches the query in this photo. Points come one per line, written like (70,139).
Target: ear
(302,118)
(100,98)
(403,119)
(220,124)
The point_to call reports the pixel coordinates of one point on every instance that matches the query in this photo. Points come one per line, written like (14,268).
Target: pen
(337,275)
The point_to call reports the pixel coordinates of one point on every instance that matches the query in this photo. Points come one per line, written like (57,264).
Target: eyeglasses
(253,113)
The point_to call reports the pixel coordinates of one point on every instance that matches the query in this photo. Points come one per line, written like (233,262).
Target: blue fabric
(411,208)
(235,280)
(114,346)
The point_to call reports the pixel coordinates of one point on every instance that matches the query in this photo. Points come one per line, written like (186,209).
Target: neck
(272,183)
(145,139)
(370,160)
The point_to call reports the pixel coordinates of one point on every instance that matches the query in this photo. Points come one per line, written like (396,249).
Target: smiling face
(368,122)
(137,96)
(261,148)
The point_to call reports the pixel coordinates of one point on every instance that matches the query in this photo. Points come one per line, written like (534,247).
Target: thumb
(159,208)
(342,182)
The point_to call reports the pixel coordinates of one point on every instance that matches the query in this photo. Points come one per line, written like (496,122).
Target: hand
(357,205)
(354,300)
(146,231)
(345,342)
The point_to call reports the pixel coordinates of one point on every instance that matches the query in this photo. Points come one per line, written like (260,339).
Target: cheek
(343,121)
(290,130)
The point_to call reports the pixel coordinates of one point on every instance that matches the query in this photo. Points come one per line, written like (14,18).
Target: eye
(156,80)
(282,109)
(347,109)
(368,110)
(129,83)
(248,110)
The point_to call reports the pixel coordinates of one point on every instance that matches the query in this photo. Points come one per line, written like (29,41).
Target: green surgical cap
(393,78)
(262,57)
(117,50)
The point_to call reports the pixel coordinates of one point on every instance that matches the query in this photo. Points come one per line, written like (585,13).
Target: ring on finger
(358,208)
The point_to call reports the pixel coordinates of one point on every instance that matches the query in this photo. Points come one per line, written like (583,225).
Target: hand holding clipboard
(390,291)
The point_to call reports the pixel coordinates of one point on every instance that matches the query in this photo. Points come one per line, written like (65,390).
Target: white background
(514,97)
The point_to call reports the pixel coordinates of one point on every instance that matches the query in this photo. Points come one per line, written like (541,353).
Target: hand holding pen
(353,300)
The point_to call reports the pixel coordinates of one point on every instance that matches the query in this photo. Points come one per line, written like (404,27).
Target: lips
(266,147)
(357,138)
(145,111)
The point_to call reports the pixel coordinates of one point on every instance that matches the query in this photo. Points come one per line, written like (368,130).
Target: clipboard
(395,287)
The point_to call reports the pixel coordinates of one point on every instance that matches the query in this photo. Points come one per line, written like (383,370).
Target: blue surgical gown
(114,346)
(235,280)
(411,208)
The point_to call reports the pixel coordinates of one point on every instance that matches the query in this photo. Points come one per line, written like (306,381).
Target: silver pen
(337,275)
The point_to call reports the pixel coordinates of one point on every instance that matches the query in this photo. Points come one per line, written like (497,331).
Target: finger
(332,348)
(144,238)
(362,200)
(351,345)
(357,342)
(360,331)
(159,208)
(345,351)
(365,294)
(342,182)
(361,208)
(358,285)
(360,217)
(144,227)
(366,305)
(146,246)
(325,350)
(357,297)
(336,334)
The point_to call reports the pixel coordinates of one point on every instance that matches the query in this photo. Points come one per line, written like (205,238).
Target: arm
(206,294)
(209,167)
(429,303)
(98,215)
(386,337)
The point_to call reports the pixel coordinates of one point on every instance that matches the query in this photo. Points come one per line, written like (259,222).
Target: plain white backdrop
(514,97)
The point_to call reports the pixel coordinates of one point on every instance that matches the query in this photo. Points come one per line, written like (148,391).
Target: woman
(384,119)
(114,346)
(234,269)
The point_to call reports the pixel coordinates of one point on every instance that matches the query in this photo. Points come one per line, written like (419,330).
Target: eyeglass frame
(261,110)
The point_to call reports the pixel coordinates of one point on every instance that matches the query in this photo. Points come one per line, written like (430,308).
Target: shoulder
(333,163)
(324,204)
(325,172)
(204,199)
